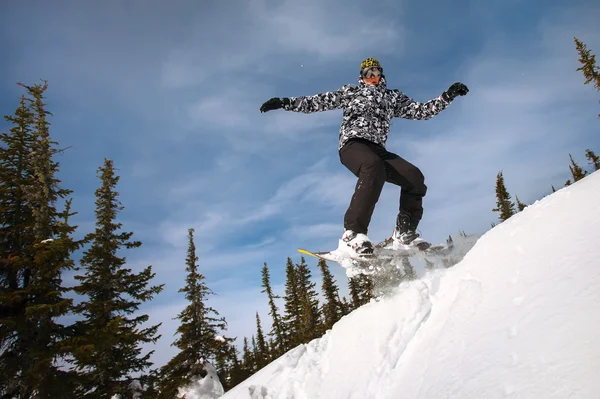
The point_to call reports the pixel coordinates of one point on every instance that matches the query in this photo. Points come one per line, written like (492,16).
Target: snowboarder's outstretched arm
(308,104)
(406,107)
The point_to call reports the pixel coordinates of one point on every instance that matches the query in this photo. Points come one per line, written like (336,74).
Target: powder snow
(518,317)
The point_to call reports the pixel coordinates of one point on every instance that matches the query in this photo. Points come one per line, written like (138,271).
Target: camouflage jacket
(368,109)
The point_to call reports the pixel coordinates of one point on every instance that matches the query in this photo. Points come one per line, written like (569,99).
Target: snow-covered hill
(519,317)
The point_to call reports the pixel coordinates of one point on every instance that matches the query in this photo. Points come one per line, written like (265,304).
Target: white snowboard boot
(356,244)
(405,234)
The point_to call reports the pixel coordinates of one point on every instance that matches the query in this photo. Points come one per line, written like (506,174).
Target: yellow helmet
(369,62)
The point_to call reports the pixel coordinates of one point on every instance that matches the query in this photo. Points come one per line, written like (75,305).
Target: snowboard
(380,254)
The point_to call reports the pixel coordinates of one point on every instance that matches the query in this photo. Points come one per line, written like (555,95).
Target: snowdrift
(519,317)
(207,387)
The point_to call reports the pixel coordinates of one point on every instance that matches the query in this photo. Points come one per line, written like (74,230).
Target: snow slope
(519,317)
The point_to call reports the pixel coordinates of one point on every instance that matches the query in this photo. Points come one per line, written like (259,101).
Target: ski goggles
(371,71)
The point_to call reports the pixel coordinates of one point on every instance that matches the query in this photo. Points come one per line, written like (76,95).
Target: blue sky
(171,91)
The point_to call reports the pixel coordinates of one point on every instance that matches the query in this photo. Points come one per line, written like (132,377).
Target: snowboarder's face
(372,75)
(373,80)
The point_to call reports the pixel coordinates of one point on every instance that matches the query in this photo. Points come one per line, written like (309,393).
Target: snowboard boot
(357,244)
(405,234)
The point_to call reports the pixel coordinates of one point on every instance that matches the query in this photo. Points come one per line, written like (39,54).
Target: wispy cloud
(317,187)
(235,110)
(326,29)
(214,221)
(260,32)
(306,232)
(229,109)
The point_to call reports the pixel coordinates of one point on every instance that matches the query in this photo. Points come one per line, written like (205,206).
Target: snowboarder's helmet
(369,62)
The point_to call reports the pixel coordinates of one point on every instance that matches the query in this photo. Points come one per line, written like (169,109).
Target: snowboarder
(367,110)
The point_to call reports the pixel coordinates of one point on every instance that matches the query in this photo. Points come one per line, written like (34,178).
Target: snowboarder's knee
(373,164)
(417,180)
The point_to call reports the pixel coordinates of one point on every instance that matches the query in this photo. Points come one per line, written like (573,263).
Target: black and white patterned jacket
(368,109)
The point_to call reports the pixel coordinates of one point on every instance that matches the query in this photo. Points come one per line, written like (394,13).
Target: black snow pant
(374,165)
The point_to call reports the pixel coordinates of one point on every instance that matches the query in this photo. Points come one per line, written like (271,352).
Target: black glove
(274,103)
(457,89)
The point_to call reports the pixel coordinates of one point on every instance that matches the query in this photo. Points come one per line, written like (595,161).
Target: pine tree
(332,308)
(36,247)
(520,205)
(593,159)
(16,239)
(277,329)
(199,332)
(249,365)
(361,290)
(504,205)
(254,353)
(354,290)
(292,319)
(109,346)
(150,382)
(236,370)
(52,251)
(576,171)
(591,72)
(553,189)
(225,365)
(310,320)
(346,306)
(262,350)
